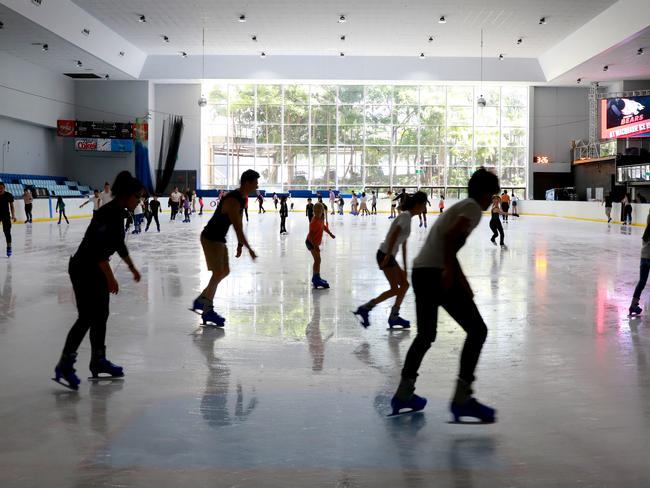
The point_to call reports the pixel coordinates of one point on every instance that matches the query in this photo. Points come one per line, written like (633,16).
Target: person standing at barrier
(28,199)
(175,202)
(627,220)
(213,240)
(93,282)
(7,215)
(515,205)
(60,208)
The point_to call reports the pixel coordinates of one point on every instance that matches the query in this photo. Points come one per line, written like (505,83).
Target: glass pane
(377,156)
(406,157)
(432,136)
(514,156)
(351,134)
(433,95)
(269,114)
(432,115)
(492,94)
(324,166)
(460,116)
(349,160)
(486,136)
(241,95)
(514,137)
(267,163)
(323,135)
(406,115)
(378,114)
(460,95)
(295,169)
(459,136)
(269,134)
(514,116)
(516,96)
(296,94)
(217,93)
(323,94)
(487,156)
(323,114)
(459,176)
(296,114)
(377,176)
(513,177)
(218,114)
(378,134)
(350,114)
(460,156)
(432,156)
(406,136)
(406,95)
(296,134)
(351,94)
(486,116)
(379,95)
(405,176)
(269,94)
(432,176)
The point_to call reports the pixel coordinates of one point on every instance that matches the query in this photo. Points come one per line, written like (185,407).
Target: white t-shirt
(176,196)
(138,209)
(96,201)
(105,197)
(432,252)
(403,222)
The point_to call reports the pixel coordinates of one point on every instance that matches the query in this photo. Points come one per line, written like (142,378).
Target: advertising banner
(625,117)
(121,145)
(65,128)
(85,144)
(104,130)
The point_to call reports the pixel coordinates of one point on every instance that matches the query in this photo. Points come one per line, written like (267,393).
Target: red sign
(65,128)
(85,144)
(625,117)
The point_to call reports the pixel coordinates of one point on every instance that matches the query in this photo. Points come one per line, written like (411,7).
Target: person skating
(28,200)
(187,209)
(515,205)
(438,281)
(354,205)
(213,240)
(363,208)
(393,205)
(154,208)
(627,210)
(320,200)
(7,215)
(643,271)
(246,207)
(60,209)
(441,203)
(138,215)
(397,277)
(400,199)
(107,195)
(93,281)
(275,200)
(309,209)
(260,202)
(423,215)
(200,205)
(495,222)
(313,241)
(608,207)
(332,197)
(341,204)
(505,205)
(96,200)
(284,213)
(373,203)
(175,200)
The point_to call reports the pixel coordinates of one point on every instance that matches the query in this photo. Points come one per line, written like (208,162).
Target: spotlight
(442,20)
(202,101)
(430,38)
(107,77)
(501,56)
(242,18)
(165,38)
(262,54)
(2,25)
(122,53)
(519,41)
(579,80)
(183,54)
(481,102)
(86,32)
(542,21)
(640,52)
(142,19)
(342,38)
(342,19)
(605,68)
(341,54)
(79,64)
(45,48)
(254,38)
(422,56)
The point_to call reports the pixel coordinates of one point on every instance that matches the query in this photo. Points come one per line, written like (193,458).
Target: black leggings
(283,225)
(91,293)
(497,228)
(62,214)
(152,216)
(28,212)
(246,212)
(6,228)
(429,295)
(174,210)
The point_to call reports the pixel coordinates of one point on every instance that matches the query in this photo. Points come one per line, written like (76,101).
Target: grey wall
(112,101)
(32,149)
(180,99)
(560,115)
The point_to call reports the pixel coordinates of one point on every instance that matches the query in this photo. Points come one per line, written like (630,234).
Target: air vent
(83,76)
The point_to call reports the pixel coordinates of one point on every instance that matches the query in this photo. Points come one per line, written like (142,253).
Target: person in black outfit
(154,208)
(260,202)
(495,223)
(400,198)
(309,211)
(213,240)
(93,281)
(608,207)
(7,214)
(284,213)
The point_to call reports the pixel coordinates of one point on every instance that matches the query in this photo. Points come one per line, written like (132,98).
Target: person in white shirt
(397,236)
(175,202)
(373,203)
(28,200)
(96,200)
(138,215)
(439,281)
(332,196)
(107,195)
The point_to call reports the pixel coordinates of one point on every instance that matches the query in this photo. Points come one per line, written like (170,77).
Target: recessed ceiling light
(579,80)
(341,54)
(107,77)
(79,64)
(442,20)
(122,53)
(542,21)
(165,38)
(45,48)
(342,38)
(640,52)
(430,38)
(342,19)
(422,56)
(86,32)
(142,19)
(606,67)
(262,54)
(254,38)
(183,54)
(501,56)
(519,41)
(242,18)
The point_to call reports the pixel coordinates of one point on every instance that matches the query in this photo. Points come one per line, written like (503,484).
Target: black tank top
(220,223)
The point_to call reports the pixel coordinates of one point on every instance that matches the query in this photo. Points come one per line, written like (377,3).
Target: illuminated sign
(541,159)
(625,117)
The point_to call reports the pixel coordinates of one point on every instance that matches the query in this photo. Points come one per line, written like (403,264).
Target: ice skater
(644,270)
(93,281)
(438,281)
(397,277)
(313,241)
(246,207)
(354,204)
(608,207)
(423,215)
(138,215)
(213,240)
(187,209)
(309,209)
(400,199)
(174,202)
(373,203)
(495,222)
(505,205)
(441,203)
(260,202)
(200,205)
(60,209)
(96,200)
(284,213)
(341,204)
(363,209)
(7,215)
(627,210)
(28,200)
(154,208)
(107,195)
(515,204)
(332,196)
(275,200)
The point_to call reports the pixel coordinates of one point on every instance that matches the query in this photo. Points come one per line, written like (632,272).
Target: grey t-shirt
(403,222)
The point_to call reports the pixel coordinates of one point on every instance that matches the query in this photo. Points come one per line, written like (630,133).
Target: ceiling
(373,27)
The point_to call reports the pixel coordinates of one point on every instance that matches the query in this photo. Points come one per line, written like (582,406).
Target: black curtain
(170,141)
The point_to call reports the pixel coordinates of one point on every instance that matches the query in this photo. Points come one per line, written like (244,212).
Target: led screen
(625,117)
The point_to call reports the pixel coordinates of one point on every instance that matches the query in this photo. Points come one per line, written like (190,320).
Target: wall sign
(85,144)
(541,159)
(104,145)
(65,128)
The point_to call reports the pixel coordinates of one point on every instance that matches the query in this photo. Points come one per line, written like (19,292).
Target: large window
(360,136)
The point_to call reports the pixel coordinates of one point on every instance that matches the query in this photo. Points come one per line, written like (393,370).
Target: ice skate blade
(405,412)
(110,379)
(472,422)
(69,387)
(359,317)
(197,311)
(212,325)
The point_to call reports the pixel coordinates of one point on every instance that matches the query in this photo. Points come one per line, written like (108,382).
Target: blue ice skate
(64,372)
(319,282)
(636,310)
(9,252)
(364,314)
(210,317)
(414,404)
(105,368)
(398,322)
(200,304)
(473,408)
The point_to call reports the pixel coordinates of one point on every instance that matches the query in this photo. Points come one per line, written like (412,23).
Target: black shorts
(309,245)
(391,261)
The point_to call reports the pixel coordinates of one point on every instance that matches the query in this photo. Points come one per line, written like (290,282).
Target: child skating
(284,213)
(438,281)
(495,223)
(213,240)
(441,203)
(309,210)
(644,270)
(397,236)
(60,209)
(313,241)
(93,282)
(138,215)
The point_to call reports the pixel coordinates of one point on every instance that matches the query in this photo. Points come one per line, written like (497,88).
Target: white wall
(180,99)
(32,149)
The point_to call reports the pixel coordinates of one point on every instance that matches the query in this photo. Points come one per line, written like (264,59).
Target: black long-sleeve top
(284,210)
(104,236)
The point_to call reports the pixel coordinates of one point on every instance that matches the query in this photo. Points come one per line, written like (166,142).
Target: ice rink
(294,392)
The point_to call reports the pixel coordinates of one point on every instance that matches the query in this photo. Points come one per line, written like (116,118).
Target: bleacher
(53,185)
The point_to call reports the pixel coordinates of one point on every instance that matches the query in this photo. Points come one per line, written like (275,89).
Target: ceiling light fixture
(640,52)
(442,20)
(262,54)
(165,38)
(86,32)
(122,53)
(342,19)
(79,64)
(142,19)
(45,48)
(481,100)
(501,57)
(606,68)
(422,56)
(342,38)
(579,80)
(519,41)
(430,38)
(107,77)
(342,54)
(183,54)
(254,38)
(203,101)
(242,18)
(542,21)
